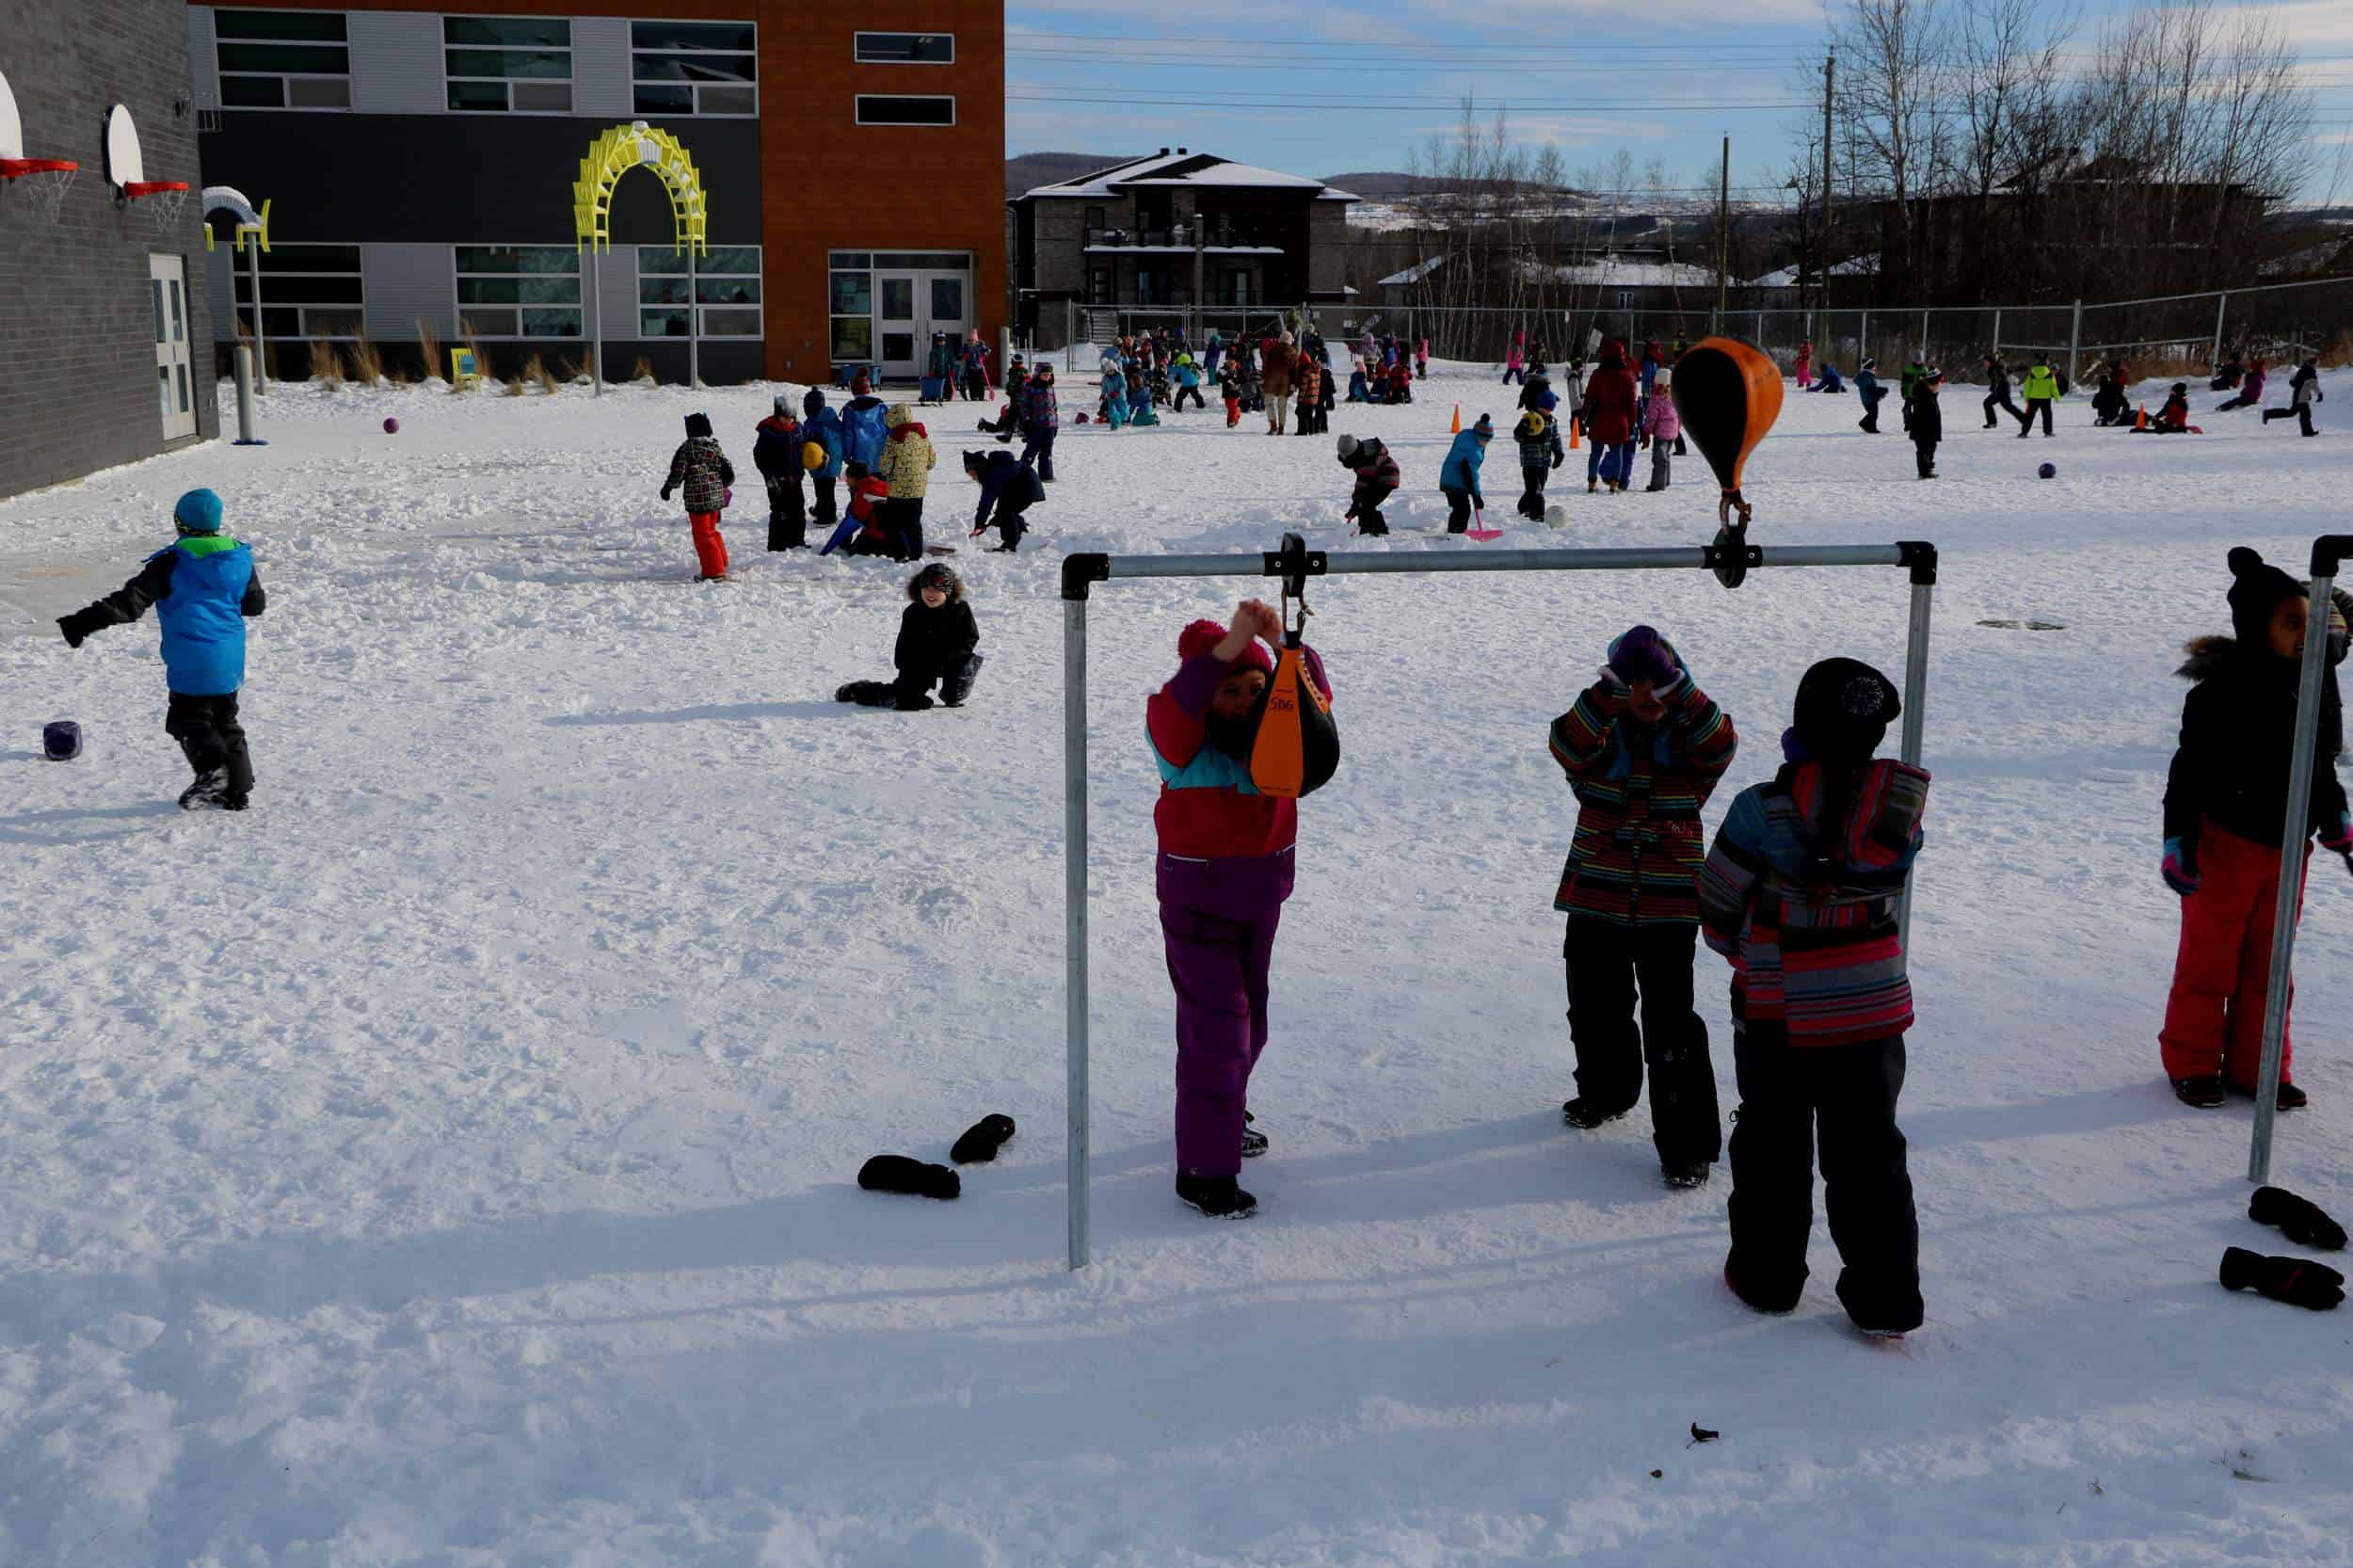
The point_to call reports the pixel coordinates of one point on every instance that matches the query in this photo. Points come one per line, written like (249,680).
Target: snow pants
(902,527)
(2301,413)
(1997,398)
(827,512)
(1606,964)
(1233,412)
(1183,393)
(1038,452)
(2026,420)
(1458,508)
(1661,464)
(1924,453)
(1218,968)
(2214,1020)
(1532,493)
(1846,1093)
(788,513)
(210,736)
(1366,501)
(711,551)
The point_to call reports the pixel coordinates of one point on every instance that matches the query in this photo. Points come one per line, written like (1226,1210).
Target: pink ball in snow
(391,427)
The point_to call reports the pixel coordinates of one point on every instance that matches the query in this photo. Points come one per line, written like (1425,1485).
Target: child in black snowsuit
(776,453)
(938,643)
(1539,441)
(1008,424)
(1008,490)
(1377,479)
(1926,420)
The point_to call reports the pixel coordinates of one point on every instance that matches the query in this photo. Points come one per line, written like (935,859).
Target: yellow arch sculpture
(612,154)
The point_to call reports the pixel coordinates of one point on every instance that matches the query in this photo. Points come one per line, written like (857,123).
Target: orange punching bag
(1727,394)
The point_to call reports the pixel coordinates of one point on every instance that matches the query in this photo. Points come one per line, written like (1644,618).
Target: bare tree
(1889,53)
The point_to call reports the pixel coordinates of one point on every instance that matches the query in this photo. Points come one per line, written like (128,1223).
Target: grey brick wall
(76,319)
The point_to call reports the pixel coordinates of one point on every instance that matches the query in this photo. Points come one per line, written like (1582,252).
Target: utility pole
(1830,69)
(1723,231)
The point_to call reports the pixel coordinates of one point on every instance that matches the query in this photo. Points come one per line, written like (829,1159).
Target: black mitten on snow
(80,624)
(983,1139)
(2299,1219)
(2291,1280)
(896,1173)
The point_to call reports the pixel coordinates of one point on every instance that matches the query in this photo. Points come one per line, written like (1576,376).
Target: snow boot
(2299,1219)
(957,683)
(211,789)
(2291,1097)
(1219,1197)
(1253,1140)
(2204,1089)
(1685,1176)
(1589,1114)
(1776,1304)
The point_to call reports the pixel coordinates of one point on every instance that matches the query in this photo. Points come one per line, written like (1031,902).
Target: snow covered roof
(1414,274)
(1786,278)
(1617,272)
(1182,168)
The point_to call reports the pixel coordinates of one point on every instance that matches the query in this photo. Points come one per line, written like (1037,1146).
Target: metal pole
(260,355)
(1724,233)
(1830,73)
(1915,698)
(596,312)
(2074,336)
(2296,837)
(1073,764)
(2221,302)
(694,323)
(1922,352)
(1997,332)
(245,399)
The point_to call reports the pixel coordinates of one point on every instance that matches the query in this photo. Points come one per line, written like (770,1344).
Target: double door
(175,393)
(912,307)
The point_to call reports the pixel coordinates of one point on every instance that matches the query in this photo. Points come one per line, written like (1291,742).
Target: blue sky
(1321,89)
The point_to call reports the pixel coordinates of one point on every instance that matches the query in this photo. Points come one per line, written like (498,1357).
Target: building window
(518,291)
(509,64)
(688,68)
(906,49)
(282,59)
(308,291)
(875,110)
(724,290)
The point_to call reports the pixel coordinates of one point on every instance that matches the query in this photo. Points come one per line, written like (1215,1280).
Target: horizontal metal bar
(1689,558)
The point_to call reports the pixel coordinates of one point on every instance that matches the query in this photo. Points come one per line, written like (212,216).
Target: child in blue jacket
(820,428)
(1459,475)
(204,588)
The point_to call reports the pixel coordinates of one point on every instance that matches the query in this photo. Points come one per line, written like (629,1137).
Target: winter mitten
(896,1173)
(78,626)
(2339,840)
(2283,1279)
(984,1138)
(2299,1219)
(2179,867)
(666,492)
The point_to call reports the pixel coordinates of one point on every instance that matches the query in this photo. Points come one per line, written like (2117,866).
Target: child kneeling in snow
(2225,800)
(1801,891)
(937,644)
(204,590)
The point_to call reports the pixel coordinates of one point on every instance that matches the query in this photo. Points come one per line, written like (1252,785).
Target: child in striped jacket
(1642,747)
(1802,892)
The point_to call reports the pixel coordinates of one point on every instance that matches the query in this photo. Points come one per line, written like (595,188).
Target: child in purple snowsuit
(1223,869)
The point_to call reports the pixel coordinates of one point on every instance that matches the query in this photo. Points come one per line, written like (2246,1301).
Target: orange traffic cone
(1572,432)
(1458,419)
(2140,421)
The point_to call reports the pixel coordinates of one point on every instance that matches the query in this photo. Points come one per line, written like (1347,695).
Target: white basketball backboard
(11,128)
(124,164)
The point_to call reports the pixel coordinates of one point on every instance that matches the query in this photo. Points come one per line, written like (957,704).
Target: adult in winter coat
(1041,421)
(1801,891)
(1377,479)
(938,644)
(2303,393)
(2250,391)
(2042,389)
(1927,421)
(1662,427)
(1868,388)
(1998,390)
(907,461)
(704,471)
(1609,414)
(204,590)
(1224,868)
(1539,441)
(1276,381)
(1008,490)
(1458,476)
(2225,798)
(865,423)
(776,453)
(1643,747)
(820,428)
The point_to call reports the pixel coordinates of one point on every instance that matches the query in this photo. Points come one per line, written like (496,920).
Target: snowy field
(451,1162)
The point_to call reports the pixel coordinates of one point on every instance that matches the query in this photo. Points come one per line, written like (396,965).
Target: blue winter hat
(197,512)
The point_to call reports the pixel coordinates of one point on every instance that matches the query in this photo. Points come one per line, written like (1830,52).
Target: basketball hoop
(43,181)
(170,198)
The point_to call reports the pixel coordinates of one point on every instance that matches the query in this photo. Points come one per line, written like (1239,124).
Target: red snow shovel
(1479,528)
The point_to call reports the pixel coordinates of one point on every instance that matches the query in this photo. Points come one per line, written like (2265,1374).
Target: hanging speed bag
(1728,394)
(1298,747)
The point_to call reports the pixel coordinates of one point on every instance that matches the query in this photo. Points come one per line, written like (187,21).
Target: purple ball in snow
(391,427)
(2048,470)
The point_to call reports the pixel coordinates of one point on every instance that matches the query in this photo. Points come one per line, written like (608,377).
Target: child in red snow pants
(2214,1020)
(710,548)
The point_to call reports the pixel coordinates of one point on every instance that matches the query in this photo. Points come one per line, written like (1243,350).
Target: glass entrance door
(903,341)
(174,396)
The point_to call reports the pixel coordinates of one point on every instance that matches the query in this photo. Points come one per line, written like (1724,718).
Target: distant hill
(1391,186)
(1033,169)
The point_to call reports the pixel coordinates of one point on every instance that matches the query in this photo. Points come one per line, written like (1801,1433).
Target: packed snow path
(451,1160)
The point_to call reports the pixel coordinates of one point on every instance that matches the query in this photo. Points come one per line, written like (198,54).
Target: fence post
(1997,332)
(1760,329)
(2221,303)
(2074,337)
(1863,342)
(1922,353)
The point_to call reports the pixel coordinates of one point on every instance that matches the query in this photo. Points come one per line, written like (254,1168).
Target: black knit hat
(698,424)
(1843,710)
(2256,590)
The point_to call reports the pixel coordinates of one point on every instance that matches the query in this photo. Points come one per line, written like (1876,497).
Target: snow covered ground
(451,1160)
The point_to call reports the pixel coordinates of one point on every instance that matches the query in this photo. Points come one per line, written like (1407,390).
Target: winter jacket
(776,448)
(865,426)
(1927,414)
(1002,475)
(933,642)
(1609,398)
(2251,388)
(1310,381)
(1016,382)
(2175,417)
(822,425)
(1276,377)
(1376,470)
(2304,386)
(1539,441)
(907,457)
(704,470)
(1041,411)
(2238,731)
(204,590)
(1910,381)
(1224,848)
(941,362)
(1573,388)
(1459,472)
(1538,394)
(1660,422)
(1827,380)
(1188,376)
(1810,925)
(1868,388)
(865,503)
(2041,384)
(1635,858)
(976,357)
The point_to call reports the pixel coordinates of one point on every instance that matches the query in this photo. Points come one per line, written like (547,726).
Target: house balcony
(1175,241)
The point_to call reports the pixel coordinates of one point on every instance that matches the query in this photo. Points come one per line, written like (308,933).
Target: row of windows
(523,65)
(512,291)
